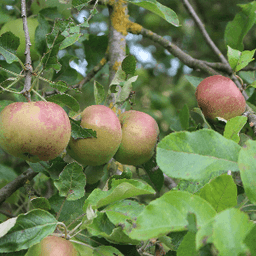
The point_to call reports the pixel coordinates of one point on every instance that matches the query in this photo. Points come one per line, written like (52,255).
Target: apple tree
(127,127)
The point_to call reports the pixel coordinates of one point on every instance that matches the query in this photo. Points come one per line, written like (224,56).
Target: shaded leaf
(71,182)
(41,203)
(9,43)
(129,65)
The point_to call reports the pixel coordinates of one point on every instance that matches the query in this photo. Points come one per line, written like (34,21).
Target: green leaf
(169,214)
(221,192)
(245,58)
(60,86)
(121,189)
(233,57)
(28,230)
(197,155)
(226,231)
(99,93)
(229,230)
(237,29)
(247,166)
(71,182)
(65,209)
(78,132)
(188,245)
(233,127)
(9,43)
(125,90)
(124,213)
(238,60)
(184,117)
(204,235)
(68,41)
(119,78)
(129,65)
(164,12)
(65,99)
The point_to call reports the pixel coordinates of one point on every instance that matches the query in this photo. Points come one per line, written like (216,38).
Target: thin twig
(204,32)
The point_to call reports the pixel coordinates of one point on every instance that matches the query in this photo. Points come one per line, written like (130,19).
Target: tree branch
(28,67)
(172,48)
(17,183)
(118,20)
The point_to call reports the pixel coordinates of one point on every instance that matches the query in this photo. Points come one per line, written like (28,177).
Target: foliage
(196,195)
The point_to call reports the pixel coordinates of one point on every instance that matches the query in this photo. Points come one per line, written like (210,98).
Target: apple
(53,246)
(140,133)
(34,131)
(218,96)
(16,27)
(97,151)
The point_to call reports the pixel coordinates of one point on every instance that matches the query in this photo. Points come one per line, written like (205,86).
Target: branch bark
(118,19)
(17,183)
(28,67)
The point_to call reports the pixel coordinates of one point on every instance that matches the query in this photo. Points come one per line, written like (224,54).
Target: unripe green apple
(16,27)
(34,131)
(140,133)
(53,246)
(97,151)
(218,96)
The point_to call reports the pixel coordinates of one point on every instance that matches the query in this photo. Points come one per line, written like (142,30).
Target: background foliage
(185,200)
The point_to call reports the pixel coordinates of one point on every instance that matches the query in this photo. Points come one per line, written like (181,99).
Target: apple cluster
(130,139)
(40,131)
